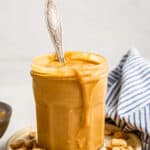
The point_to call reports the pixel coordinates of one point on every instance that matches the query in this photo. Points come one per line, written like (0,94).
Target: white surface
(109,27)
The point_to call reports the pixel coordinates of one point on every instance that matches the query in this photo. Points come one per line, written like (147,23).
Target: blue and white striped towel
(128,98)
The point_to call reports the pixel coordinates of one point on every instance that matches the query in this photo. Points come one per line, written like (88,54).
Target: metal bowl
(4,120)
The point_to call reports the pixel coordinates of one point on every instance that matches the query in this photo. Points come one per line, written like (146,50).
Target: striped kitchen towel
(128,98)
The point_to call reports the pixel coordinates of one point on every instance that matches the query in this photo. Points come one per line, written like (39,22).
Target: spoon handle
(54,28)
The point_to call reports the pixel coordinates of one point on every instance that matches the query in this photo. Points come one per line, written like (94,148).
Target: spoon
(54,28)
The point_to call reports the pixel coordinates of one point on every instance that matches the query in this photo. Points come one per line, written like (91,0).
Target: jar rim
(38,66)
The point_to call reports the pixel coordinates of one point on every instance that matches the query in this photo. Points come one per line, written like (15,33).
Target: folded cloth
(128,96)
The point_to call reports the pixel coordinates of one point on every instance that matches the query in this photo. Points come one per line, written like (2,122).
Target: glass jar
(70,100)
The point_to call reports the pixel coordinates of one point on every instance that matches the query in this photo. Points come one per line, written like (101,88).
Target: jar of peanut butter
(70,100)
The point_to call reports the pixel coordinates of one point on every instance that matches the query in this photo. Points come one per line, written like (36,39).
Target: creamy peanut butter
(2,114)
(70,100)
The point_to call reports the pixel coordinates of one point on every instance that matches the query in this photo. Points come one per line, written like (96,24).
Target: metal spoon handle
(54,28)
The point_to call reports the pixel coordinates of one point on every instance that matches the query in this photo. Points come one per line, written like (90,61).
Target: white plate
(133,139)
(19,135)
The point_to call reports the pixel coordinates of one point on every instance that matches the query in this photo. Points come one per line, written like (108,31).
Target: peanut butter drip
(88,81)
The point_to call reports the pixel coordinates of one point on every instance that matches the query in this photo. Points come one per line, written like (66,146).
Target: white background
(108,27)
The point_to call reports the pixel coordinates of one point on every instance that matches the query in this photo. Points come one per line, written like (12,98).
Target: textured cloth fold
(128,96)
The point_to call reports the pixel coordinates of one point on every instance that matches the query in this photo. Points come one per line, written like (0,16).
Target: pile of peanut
(26,143)
(118,141)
